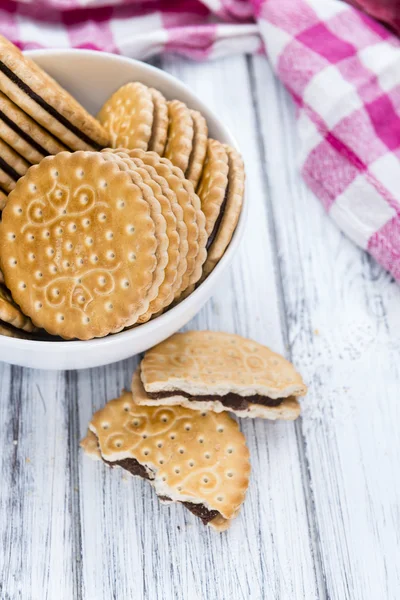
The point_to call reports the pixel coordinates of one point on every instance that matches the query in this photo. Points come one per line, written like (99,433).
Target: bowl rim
(125,336)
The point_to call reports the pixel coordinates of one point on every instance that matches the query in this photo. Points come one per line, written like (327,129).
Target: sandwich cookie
(166,290)
(3,198)
(229,213)
(43,99)
(205,370)
(160,122)
(192,213)
(180,134)
(10,312)
(11,162)
(24,135)
(164,223)
(214,182)
(199,459)
(180,225)
(7,183)
(78,246)
(128,116)
(12,332)
(198,154)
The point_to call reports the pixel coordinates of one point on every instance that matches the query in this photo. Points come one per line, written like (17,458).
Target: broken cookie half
(197,458)
(215,371)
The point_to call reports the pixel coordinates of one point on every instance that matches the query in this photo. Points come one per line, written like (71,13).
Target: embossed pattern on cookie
(77,246)
(180,134)
(190,457)
(128,116)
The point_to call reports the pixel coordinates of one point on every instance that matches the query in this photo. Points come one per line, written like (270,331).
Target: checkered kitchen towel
(341,67)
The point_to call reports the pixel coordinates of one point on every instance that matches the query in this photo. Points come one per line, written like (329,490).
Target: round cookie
(160,122)
(160,223)
(128,116)
(78,246)
(10,312)
(180,134)
(180,224)
(193,215)
(228,220)
(166,291)
(199,150)
(213,183)
(41,97)
(23,134)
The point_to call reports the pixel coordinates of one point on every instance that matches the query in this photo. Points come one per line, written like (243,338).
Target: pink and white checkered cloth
(341,67)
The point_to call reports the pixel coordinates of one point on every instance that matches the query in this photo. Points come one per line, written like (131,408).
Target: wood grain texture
(321,520)
(342,315)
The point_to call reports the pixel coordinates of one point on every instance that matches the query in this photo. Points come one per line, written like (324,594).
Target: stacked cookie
(139,117)
(174,428)
(93,242)
(96,239)
(37,118)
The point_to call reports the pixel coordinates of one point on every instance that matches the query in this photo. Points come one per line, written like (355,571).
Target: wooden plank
(36,558)
(343,328)
(130,544)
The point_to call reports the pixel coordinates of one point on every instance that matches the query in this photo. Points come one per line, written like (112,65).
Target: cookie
(228,218)
(193,215)
(166,290)
(3,198)
(7,183)
(196,458)
(198,154)
(78,246)
(180,134)
(10,312)
(11,162)
(160,122)
(128,116)
(41,97)
(217,371)
(158,212)
(23,134)
(180,225)
(214,183)
(90,445)
(10,331)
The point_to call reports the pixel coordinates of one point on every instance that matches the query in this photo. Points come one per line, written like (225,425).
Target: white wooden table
(322,516)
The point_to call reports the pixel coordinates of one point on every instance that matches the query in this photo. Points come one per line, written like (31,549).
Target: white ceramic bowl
(92,77)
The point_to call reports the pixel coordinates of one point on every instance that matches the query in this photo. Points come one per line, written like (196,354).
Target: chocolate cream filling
(9,170)
(135,468)
(22,134)
(47,107)
(230,400)
(217,224)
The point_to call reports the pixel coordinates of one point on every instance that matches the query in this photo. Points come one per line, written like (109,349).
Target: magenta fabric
(341,66)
